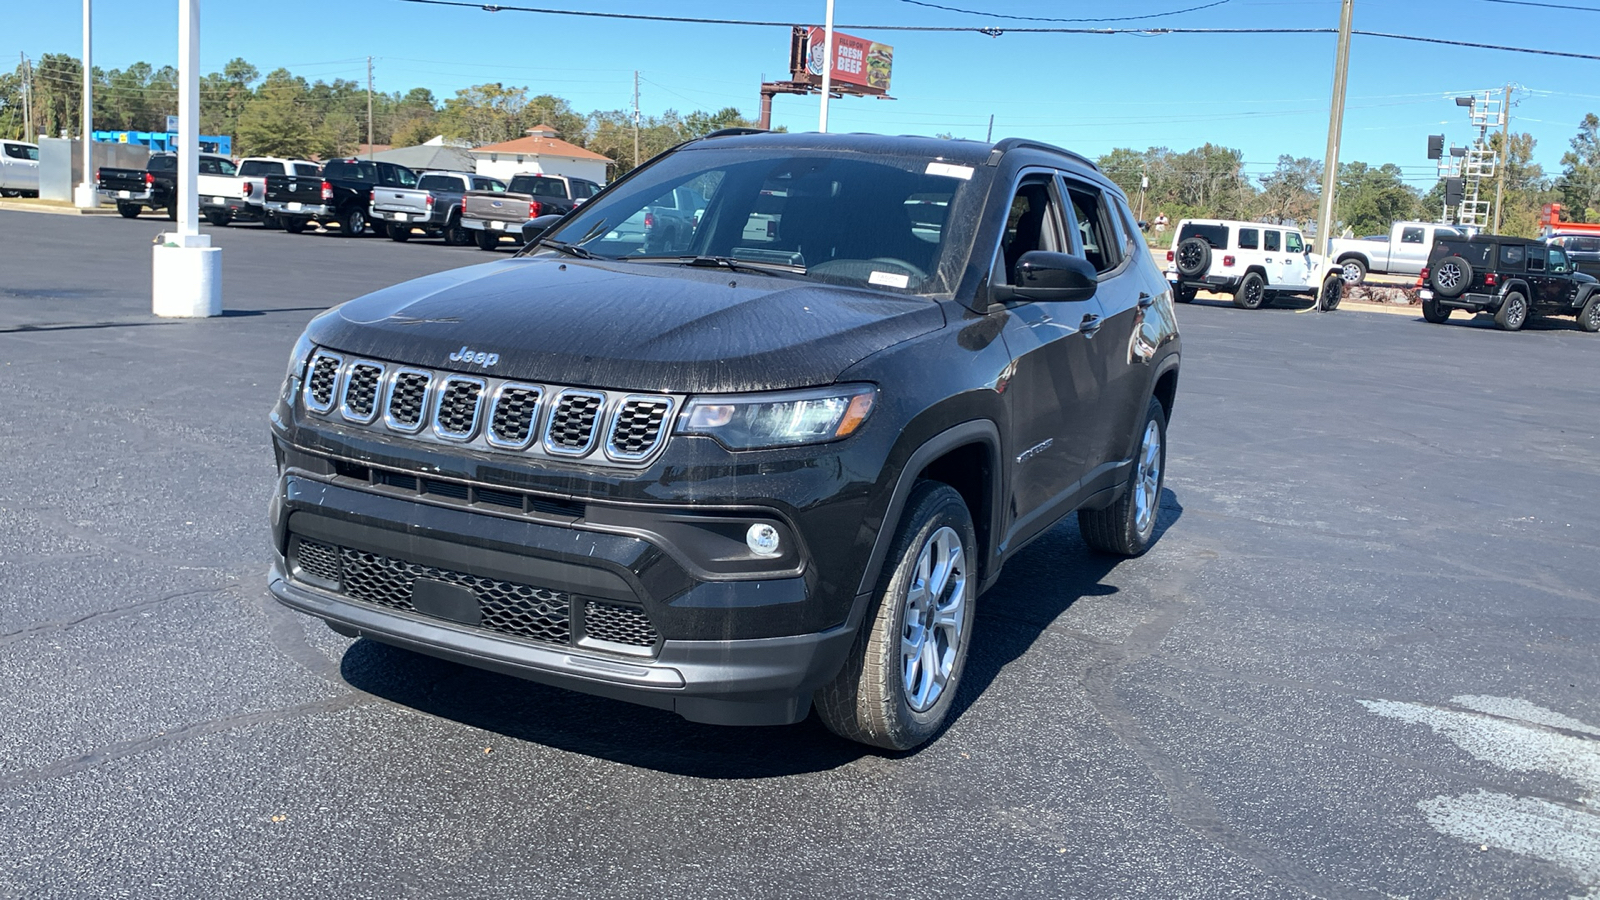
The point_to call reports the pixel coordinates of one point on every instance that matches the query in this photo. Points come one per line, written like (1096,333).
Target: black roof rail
(1005,145)
(730,132)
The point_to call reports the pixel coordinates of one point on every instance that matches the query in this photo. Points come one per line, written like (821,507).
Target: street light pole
(186,272)
(86,197)
(827,67)
(1330,164)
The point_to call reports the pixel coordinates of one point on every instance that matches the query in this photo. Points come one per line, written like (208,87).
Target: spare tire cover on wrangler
(1451,276)
(1193,257)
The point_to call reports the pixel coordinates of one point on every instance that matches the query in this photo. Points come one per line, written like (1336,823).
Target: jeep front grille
(505,607)
(571,428)
(456,418)
(489,413)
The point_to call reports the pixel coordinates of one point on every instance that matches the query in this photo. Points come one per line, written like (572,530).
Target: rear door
(1272,258)
(1052,394)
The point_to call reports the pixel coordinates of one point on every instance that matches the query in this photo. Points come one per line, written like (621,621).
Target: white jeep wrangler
(1252,261)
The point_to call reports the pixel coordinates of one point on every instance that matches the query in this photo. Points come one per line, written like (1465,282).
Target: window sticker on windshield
(949,170)
(890,279)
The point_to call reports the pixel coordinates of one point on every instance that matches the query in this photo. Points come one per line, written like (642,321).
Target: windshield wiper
(730,262)
(564,247)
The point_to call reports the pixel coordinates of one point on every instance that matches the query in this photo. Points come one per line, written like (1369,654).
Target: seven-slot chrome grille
(535,419)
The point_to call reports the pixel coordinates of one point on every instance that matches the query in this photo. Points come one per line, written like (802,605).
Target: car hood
(628,326)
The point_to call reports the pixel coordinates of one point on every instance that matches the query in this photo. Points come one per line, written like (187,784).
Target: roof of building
(428,156)
(540,141)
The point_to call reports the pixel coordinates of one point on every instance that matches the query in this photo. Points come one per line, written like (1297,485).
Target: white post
(86,198)
(827,67)
(186,276)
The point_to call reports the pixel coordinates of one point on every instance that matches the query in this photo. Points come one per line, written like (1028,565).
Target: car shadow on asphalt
(1038,586)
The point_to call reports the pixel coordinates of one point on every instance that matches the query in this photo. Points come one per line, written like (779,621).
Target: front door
(1297,272)
(1051,391)
(1559,289)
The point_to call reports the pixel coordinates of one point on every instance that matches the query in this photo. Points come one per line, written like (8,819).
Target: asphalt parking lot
(1359,662)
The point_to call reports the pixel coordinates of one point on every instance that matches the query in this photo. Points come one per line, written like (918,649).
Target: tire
(455,235)
(219,218)
(487,240)
(1252,292)
(1193,257)
(1128,526)
(353,222)
(1513,312)
(1451,277)
(399,234)
(1183,295)
(129,210)
(1353,270)
(1434,313)
(172,213)
(271,221)
(869,701)
(1332,292)
(294,226)
(1589,316)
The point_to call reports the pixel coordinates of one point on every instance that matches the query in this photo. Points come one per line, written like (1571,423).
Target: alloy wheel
(1147,487)
(1449,276)
(934,618)
(1352,273)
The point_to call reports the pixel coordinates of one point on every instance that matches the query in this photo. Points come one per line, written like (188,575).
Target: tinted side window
(305,169)
(1272,240)
(1536,262)
(163,164)
(439,183)
(1099,245)
(1512,255)
(1249,239)
(18,151)
(488,184)
(1411,235)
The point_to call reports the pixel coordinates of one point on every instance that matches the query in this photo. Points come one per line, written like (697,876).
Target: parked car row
(352,196)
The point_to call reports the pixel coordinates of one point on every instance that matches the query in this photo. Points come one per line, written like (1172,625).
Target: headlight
(755,421)
(297,366)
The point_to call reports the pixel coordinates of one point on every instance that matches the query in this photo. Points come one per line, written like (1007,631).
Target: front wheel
(270,221)
(1252,292)
(1354,271)
(294,226)
(399,234)
(1434,313)
(455,235)
(487,240)
(353,223)
(1128,526)
(1513,312)
(899,682)
(1589,317)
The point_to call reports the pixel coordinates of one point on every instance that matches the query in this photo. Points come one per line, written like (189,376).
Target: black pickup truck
(341,195)
(156,185)
(775,465)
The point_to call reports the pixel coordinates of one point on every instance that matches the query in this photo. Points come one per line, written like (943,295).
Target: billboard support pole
(827,68)
(87,197)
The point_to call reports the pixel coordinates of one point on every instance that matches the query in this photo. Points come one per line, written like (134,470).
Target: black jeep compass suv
(774,460)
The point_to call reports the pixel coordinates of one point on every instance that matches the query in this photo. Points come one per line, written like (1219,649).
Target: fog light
(762,539)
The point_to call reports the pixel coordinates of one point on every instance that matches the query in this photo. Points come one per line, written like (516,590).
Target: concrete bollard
(186,277)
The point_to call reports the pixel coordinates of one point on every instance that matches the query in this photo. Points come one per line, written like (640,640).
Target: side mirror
(1051,276)
(533,229)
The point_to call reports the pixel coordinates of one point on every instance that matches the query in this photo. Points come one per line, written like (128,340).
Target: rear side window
(1094,228)
(256,168)
(163,164)
(305,169)
(211,165)
(1536,262)
(547,187)
(1215,235)
(439,183)
(1249,239)
(584,189)
(489,184)
(18,151)
(351,170)
(1411,235)
(1477,254)
(1512,255)
(1272,240)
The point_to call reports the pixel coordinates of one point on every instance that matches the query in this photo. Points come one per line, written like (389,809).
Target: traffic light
(1455,190)
(1435,146)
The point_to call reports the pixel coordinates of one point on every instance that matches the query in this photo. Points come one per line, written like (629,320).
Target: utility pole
(636,118)
(369,107)
(1505,155)
(27,99)
(1330,163)
(86,197)
(827,67)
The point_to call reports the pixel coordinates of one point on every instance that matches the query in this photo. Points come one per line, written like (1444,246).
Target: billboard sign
(857,62)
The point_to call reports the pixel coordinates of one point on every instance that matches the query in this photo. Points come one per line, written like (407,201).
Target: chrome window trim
(533,425)
(550,421)
(377,391)
(427,399)
(661,435)
(477,409)
(337,395)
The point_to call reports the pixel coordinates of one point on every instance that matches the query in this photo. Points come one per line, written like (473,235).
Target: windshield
(845,218)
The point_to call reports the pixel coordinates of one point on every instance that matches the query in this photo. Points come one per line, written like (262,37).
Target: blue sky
(1264,94)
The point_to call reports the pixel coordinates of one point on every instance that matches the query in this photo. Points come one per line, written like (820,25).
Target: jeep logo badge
(467,355)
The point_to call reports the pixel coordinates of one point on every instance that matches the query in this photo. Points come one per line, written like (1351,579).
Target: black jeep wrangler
(780,464)
(1511,277)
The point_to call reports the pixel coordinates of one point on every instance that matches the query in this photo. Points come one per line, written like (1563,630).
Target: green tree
(1292,192)
(1580,175)
(485,113)
(1369,199)
(275,122)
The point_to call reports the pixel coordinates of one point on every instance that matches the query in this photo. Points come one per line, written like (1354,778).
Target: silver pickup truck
(433,206)
(1404,252)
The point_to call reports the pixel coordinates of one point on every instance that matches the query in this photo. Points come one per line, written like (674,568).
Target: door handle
(1146,301)
(1089,325)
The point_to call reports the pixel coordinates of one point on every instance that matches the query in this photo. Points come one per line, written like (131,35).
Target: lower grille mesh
(318,560)
(618,624)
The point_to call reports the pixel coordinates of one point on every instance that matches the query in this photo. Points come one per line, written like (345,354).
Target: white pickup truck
(1403,252)
(19,169)
(242,197)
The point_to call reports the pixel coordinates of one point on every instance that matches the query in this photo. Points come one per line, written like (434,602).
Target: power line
(1545,5)
(995,15)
